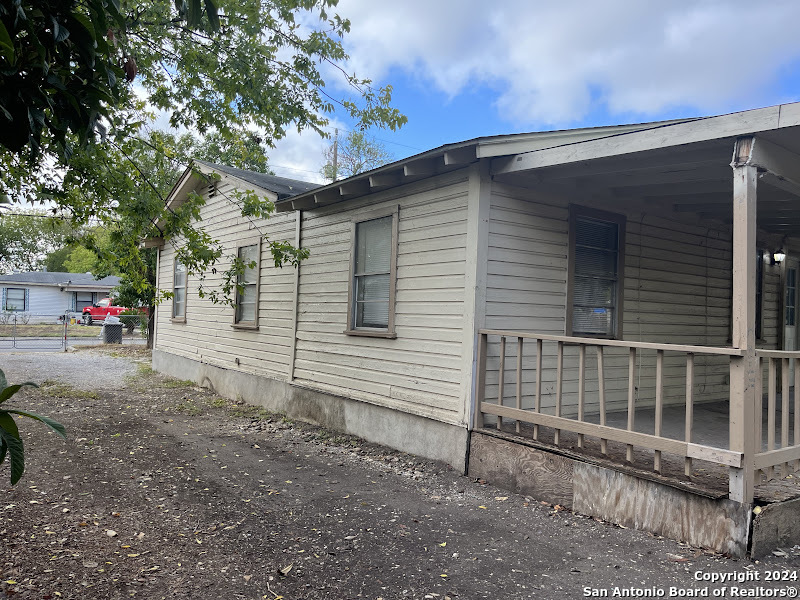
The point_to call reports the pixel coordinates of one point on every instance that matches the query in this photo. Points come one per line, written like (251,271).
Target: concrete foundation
(402,431)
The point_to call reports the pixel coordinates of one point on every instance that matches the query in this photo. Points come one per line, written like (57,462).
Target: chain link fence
(30,331)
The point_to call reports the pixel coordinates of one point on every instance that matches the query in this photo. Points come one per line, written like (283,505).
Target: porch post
(744,368)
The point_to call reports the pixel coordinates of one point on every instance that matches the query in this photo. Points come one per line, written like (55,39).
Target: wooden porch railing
(534,415)
(786,456)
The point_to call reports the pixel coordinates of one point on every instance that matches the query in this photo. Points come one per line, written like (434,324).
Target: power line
(381,140)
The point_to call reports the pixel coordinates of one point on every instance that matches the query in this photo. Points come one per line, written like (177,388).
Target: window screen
(791,295)
(247,286)
(596,277)
(372,273)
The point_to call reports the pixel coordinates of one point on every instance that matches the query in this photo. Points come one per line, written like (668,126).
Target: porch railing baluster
(631,399)
(519,377)
(796,437)
(772,463)
(771,411)
(766,458)
(581,387)
(501,380)
(601,397)
(689,424)
(659,406)
(538,398)
(759,442)
(559,388)
(480,383)
(785,410)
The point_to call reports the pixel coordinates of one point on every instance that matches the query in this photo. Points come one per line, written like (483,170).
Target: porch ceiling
(691,178)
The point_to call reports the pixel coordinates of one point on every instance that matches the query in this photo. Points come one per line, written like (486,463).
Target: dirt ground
(165,490)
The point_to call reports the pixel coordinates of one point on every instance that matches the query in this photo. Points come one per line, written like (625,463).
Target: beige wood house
(603,318)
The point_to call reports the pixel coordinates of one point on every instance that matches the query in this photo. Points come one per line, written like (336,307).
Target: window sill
(371,333)
(245,327)
(178,320)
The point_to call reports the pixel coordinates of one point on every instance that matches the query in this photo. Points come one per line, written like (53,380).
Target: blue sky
(469,68)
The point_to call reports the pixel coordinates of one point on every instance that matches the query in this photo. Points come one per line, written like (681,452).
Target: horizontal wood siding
(420,370)
(208,335)
(677,290)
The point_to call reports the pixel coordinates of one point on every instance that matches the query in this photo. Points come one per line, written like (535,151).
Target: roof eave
(432,162)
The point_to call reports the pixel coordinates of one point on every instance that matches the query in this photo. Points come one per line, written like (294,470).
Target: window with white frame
(15,299)
(247,286)
(597,242)
(374,264)
(179,291)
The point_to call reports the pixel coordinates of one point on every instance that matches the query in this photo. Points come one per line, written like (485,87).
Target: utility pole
(336,154)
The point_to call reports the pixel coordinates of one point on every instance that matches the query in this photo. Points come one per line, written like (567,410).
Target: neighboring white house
(540,279)
(47,295)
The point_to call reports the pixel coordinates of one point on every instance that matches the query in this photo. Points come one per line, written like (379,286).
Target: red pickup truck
(99,311)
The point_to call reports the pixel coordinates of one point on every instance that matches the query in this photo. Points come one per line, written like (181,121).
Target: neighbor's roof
(60,279)
(282,186)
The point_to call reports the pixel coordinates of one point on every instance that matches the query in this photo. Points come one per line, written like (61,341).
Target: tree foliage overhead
(59,72)
(225,68)
(243,150)
(355,154)
(26,238)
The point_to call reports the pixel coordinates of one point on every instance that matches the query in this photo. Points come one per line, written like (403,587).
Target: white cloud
(554,62)
(300,155)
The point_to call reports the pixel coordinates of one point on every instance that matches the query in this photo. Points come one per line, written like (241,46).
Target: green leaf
(6,45)
(10,390)
(51,423)
(3,382)
(3,450)
(85,22)
(213,16)
(7,423)
(16,451)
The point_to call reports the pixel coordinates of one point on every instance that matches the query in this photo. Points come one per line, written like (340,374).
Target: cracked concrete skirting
(402,431)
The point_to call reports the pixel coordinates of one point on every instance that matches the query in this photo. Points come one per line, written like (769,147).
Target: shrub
(10,441)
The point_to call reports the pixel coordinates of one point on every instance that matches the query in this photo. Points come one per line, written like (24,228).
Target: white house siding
(44,301)
(420,371)
(208,335)
(677,290)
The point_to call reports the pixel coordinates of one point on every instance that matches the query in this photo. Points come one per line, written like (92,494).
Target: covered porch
(687,373)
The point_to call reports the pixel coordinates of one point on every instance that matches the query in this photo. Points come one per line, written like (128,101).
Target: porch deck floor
(711,425)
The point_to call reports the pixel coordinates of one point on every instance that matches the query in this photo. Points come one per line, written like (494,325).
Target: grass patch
(250,411)
(190,407)
(335,438)
(57,389)
(144,369)
(48,330)
(169,382)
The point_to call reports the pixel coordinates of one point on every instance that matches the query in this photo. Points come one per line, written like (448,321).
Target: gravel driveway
(86,370)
